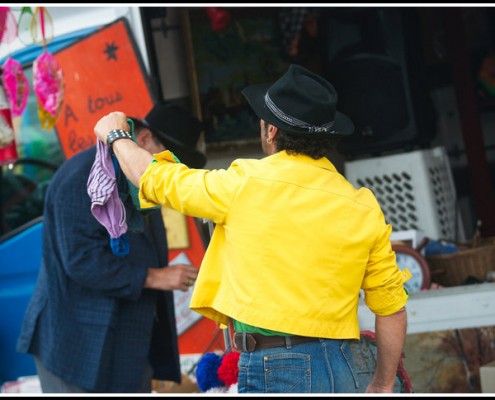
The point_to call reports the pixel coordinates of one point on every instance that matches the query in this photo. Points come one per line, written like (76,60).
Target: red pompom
(228,370)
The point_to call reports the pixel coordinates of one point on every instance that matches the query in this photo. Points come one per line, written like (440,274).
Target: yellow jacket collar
(321,162)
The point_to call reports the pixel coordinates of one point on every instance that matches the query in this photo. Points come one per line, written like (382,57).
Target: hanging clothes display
(8,149)
(48,78)
(16,86)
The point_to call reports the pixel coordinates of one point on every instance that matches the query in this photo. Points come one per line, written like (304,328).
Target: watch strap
(116,134)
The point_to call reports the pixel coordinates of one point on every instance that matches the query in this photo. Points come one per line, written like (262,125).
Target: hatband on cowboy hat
(299,102)
(178,131)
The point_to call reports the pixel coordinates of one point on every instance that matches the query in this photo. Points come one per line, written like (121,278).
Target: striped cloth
(106,205)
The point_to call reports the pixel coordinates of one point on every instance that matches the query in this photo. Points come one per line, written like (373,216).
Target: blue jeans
(320,366)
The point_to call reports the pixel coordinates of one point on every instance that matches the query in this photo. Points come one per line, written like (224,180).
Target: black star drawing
(111,50)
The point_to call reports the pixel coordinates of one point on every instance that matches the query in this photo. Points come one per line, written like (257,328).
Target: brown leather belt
(256,341)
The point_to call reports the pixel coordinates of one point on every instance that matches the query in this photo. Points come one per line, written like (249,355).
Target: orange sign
(201,334)
(103,72)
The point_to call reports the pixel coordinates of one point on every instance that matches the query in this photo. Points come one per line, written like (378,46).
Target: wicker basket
(455,269)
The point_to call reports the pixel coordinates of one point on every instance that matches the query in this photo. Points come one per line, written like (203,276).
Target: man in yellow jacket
(294,243)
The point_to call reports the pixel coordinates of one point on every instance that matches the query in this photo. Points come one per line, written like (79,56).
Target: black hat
(299,102)
(179,132)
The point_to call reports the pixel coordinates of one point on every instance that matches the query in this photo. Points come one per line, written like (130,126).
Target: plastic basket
(415,190)
(469,262)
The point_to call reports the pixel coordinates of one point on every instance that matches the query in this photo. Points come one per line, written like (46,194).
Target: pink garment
(106,205)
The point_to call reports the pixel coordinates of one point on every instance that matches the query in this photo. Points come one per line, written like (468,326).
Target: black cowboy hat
(299,102)
(178,131)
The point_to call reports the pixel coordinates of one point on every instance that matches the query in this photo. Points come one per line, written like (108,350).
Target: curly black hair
(313,146)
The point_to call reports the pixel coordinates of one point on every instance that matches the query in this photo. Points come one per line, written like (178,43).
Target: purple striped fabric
(106,205)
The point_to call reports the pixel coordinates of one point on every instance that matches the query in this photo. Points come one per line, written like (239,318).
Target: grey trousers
(51,383)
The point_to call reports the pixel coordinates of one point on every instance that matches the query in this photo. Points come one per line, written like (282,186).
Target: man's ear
(272,131)
(144,137)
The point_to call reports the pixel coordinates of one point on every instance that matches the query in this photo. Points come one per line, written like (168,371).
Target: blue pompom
(207,372)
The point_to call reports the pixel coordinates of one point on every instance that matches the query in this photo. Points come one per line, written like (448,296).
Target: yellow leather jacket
(294,243)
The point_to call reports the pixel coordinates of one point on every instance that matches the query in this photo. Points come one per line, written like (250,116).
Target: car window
(23,183)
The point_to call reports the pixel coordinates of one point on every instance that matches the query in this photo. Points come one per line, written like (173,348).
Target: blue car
(23,184)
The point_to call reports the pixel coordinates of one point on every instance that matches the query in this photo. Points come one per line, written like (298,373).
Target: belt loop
(288,343)
(244,341)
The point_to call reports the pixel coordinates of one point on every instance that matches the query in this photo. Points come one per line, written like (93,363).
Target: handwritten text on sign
(103,72)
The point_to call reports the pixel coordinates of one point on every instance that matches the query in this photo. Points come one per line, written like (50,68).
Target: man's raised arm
(133,159)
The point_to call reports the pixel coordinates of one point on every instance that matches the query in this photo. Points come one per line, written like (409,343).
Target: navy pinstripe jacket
(89,319)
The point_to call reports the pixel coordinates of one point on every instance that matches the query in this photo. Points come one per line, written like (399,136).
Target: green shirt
(240,327)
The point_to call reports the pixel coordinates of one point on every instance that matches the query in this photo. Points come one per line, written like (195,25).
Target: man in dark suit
(99,322)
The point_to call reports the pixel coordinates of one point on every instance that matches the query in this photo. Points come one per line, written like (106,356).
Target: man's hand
(177,276)
(114,120)
(133,159)
(375,387)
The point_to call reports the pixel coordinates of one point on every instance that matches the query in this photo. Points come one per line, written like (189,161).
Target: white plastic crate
(415,190)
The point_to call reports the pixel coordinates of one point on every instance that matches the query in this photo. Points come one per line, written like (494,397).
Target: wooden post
(472,131)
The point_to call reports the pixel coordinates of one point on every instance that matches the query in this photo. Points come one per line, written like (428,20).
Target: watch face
(415,283)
